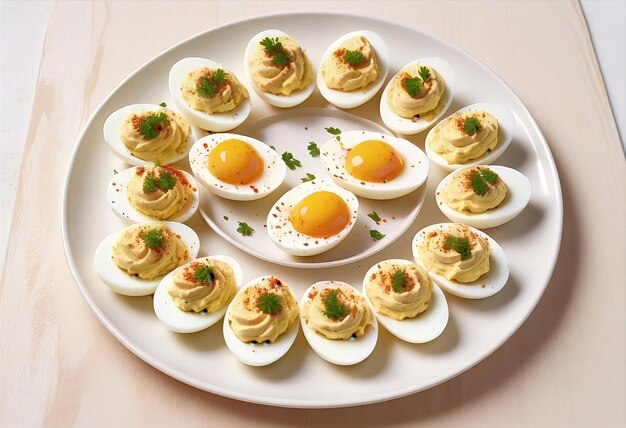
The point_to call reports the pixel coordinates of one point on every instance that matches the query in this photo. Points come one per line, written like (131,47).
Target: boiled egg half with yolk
(374,165)
(312,218)
(236,167)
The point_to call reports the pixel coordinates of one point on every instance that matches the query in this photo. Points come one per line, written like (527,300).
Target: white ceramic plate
(301,378)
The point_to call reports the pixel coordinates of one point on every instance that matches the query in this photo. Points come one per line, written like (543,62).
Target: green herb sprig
(334,309)
(314,151)
(481,178)
(376,235)
(413,86)
(333,131)
(153,238)
(165,182)
(460,245)
(353,58)
(424,73)
(309,177)
(291,162)
(244,229)
(209,86)
(269,303)
(204,275)
(152,125)
(398,281)
(375,217)
(471,125)
(275,49)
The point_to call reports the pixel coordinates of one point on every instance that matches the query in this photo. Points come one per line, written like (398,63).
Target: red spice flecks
(140,170)
(254,189)
(188,273)
(205,145)
(137,120)
(176,173)
(275,282)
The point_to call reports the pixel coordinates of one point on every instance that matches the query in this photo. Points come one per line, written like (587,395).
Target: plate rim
(293,403)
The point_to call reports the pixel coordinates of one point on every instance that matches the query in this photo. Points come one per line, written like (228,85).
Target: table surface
(566,366)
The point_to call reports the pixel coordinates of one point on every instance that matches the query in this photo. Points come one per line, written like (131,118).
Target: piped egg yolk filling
(374,161)
(320,214)
(235,162)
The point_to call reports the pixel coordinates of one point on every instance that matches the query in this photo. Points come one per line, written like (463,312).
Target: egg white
(406,126)
(518,195)
(341,352)
(131,285)
(485,286)
(258,354)
(180,321)
(216,122)
(506,129)
(413,175)
(422,328)
(284,235)
(113,125)
(282,101)
(274,169)
(359,96)
(117,196)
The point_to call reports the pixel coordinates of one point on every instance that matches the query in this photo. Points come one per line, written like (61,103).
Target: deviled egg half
(417,96)
(195,296)
(462,260)
(353,69)
(278,68)
(312,218)
(133,261)
(474,135)
(374,165)
(146,192)
(141,133)
(338,322)
(405,300)
(262,321)
(209,95)
(236,167)
(483,196)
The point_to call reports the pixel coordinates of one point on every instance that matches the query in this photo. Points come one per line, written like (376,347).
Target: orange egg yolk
(373,161)
(235,162)
(320,214)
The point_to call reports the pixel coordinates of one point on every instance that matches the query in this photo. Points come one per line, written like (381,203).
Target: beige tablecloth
(564,367)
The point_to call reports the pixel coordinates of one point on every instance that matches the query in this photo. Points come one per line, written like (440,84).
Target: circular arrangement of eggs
(315,216)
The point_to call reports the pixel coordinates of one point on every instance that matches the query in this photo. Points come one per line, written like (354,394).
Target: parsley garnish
(413,86)
(153,238)
(480,178)
(163,104)
(313,149)
(460,245)
(244,229)
(269,303)
(275,48)
(424,73)
(152,125)
(374,217)
(165,182)
(208,85)
(353,57)
(398,281)
(115,171)
(376,235)
(471,125)
(309,177)
(292,163)
(333,308)
(204,275)
(333,131)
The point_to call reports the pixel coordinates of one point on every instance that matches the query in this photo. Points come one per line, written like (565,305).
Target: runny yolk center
(320,214)
(235,162)
(374,161)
